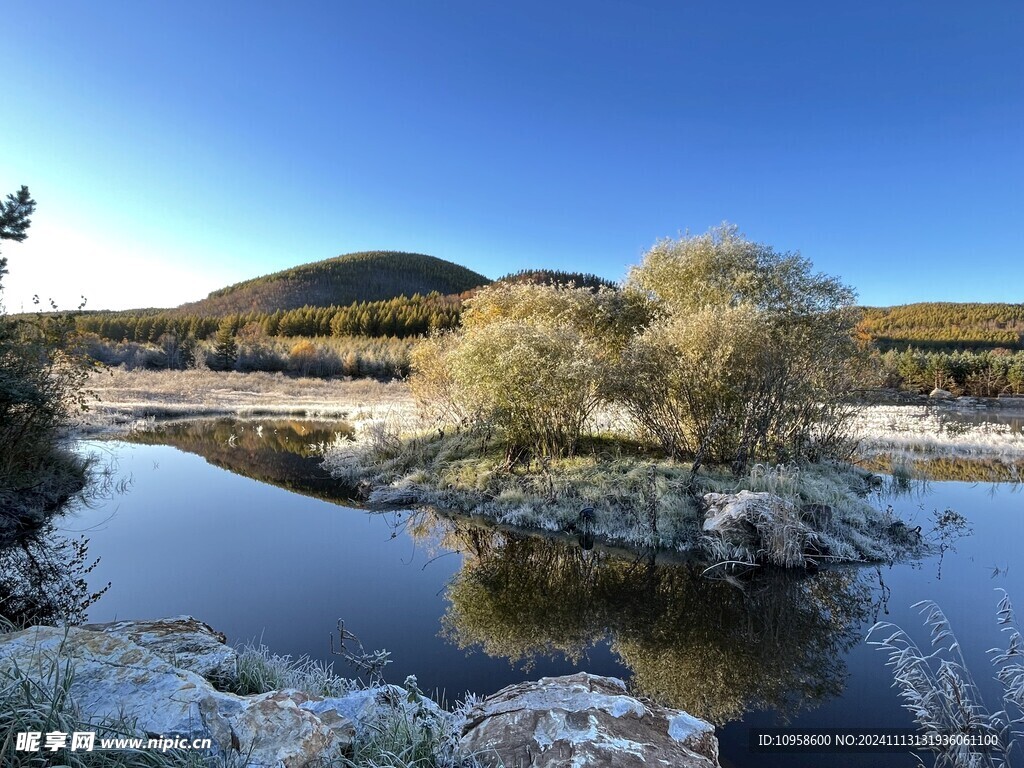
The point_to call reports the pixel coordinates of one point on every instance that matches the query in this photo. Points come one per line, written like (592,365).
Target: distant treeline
(355,356)
(986,373)
(946,326)
(558,277)
(402,317)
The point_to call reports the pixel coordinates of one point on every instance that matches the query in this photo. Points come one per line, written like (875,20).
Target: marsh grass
(261,671)
(937,687)
(639,499)
(125,398)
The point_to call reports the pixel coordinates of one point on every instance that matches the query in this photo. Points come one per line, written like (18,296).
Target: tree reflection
(716,648)
(282,452)
(43,579)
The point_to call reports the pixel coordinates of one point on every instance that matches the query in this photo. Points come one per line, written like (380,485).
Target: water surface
(236,524)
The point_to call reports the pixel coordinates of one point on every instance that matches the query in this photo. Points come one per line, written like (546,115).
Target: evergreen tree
(225,348)
(40,381)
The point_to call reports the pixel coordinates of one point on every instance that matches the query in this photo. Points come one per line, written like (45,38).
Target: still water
(235,523)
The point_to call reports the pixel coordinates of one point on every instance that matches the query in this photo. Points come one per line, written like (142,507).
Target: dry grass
(937,688)
(126,397)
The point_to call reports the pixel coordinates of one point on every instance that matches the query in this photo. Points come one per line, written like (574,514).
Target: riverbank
(62,476)
(125,398)
(639,499)
(176,680)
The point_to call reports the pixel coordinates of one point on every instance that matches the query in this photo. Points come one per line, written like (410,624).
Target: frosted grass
(926,431)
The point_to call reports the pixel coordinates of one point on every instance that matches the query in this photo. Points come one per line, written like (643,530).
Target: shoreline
(641,501)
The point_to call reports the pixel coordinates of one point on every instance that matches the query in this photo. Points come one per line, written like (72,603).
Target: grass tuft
(938,689)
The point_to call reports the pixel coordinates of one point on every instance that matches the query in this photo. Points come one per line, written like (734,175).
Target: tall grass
(413,733)
(404,729)
(937,687)
(261,671)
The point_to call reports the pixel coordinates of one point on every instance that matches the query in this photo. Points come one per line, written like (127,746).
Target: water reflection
(282,452)
(715,648)
(975,469)
(44,579)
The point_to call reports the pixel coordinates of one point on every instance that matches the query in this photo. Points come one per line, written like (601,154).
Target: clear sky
(175,147)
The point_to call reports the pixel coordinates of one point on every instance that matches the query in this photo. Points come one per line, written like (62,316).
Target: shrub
(538,383)
(748,357)
(434,382)
(531,360)
(42,372)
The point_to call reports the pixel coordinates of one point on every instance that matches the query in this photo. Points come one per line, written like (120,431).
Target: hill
(343,280)
(945,325)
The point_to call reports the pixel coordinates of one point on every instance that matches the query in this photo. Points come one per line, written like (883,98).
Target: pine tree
(225,348)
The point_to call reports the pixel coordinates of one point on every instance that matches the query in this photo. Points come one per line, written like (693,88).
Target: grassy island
(704,405)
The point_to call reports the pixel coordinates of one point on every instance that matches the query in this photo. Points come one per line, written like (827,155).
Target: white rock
(115,677)
(183,641)
(583,720)
(726,510)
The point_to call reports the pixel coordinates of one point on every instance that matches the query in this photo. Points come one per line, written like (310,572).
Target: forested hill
(946,325)
(343,280)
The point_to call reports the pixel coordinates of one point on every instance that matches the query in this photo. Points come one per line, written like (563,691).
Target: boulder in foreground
(583,720)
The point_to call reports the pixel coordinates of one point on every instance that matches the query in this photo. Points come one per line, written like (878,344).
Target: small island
(705,407)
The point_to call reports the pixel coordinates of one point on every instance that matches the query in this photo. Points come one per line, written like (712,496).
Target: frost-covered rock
(583,720)
(114,676)
(758,525)
(184,641)
(726,511)
(367,707)
(940,394)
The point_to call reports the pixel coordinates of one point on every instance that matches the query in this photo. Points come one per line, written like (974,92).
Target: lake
(236,524)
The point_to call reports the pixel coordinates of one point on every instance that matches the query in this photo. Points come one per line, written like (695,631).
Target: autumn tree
(750,357)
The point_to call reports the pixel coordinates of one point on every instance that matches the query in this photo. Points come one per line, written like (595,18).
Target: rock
(366,706)
(940,394)
(969,402)
(766,526)
(277,729)
(184,642)
(114,676)
(726,511)
(583,720)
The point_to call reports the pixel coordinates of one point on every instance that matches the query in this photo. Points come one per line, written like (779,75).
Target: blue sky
(177,147)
